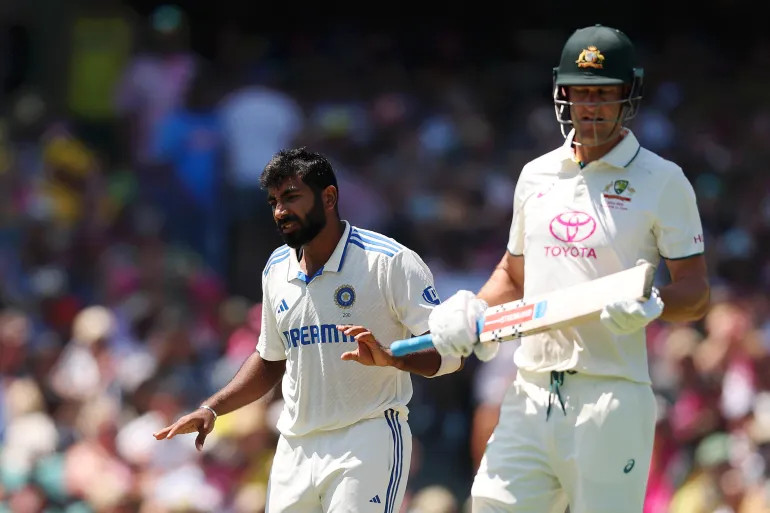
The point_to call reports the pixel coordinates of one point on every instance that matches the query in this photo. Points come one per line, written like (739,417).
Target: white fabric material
(369,280)
(597,455)
(454,324)
(449,364)
(573,225)
(485,351)
(625,317)
(360,468)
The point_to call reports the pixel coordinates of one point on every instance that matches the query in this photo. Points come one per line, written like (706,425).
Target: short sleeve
(413,293)
(678,228)
(516,235)
(270,345)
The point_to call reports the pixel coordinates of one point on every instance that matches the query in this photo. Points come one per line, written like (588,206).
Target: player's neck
(587,154)
(317,252)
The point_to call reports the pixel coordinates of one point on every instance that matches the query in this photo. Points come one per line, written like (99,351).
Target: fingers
(174,430)
(362,338)
(208,425)
(366,337)
(186,424)
(200,439)
(359,333)
(163,433)
(351,331)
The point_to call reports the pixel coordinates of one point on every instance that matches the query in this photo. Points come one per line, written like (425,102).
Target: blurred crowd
(133,232)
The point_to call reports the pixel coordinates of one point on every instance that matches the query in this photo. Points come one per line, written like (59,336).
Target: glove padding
(628,316)
(453,327)
(485,351)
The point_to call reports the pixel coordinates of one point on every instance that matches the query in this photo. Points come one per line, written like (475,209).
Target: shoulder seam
(277,256)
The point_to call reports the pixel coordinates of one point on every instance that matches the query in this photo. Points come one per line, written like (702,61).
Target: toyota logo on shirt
(573,226)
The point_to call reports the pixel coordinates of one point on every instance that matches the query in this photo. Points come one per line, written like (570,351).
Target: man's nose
(280,211)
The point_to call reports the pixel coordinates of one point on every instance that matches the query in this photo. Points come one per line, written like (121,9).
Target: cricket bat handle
(414,344)
(411,345)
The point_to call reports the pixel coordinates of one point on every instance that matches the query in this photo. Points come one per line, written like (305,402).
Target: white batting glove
(453,326)
(485,351)
(628,316)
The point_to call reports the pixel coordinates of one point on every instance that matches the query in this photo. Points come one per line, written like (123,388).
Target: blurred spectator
(101,37)
(258,119)
(154,82)
(189,139)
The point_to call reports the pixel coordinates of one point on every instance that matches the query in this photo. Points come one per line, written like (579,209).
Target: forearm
(685,300)
(500,288)
(254,379)
(425,363)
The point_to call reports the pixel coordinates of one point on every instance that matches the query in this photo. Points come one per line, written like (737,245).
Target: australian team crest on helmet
(590,57)
(345,296)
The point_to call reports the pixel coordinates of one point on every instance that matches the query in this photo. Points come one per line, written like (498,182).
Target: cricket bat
(564,307)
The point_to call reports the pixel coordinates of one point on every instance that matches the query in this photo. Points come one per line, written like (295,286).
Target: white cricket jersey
(369,280)
(573,225)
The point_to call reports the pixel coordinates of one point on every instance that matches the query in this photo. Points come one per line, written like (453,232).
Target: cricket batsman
(576,426)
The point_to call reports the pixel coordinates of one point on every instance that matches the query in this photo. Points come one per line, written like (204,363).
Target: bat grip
(414,344)
(411,345)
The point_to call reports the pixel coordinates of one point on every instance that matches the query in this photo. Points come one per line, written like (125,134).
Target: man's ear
(330,197)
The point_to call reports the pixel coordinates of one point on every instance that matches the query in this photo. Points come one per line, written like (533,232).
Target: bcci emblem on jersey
(345,296)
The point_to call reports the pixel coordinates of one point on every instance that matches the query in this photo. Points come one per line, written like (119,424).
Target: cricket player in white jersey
(344,442)
(576,426)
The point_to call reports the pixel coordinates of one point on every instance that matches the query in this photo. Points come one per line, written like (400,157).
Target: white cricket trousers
(360,468)
(593,453)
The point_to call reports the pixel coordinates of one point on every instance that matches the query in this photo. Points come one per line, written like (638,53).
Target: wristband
(209,408)
(449,364)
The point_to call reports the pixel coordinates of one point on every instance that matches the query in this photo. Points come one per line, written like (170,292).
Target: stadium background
(132,232)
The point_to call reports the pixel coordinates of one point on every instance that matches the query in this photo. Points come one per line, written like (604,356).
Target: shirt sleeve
(678,228)
(516,235)
(270,345)
(413,294)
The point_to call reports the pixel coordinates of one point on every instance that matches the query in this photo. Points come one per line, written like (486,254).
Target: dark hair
(310,167)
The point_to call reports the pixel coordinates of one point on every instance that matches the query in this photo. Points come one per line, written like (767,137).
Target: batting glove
(628,316)
(454,327)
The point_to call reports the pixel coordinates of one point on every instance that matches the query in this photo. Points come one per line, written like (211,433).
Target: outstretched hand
(369,351)
(200,421)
